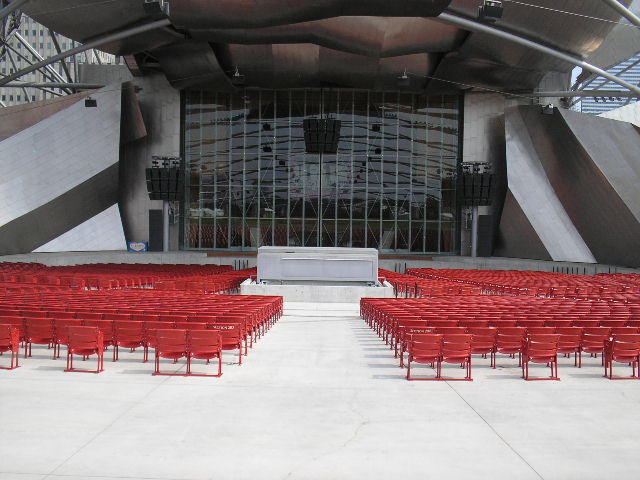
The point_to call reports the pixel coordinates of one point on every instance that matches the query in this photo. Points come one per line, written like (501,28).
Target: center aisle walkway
(320,397)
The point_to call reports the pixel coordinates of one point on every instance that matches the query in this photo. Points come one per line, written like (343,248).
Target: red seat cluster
(130,318)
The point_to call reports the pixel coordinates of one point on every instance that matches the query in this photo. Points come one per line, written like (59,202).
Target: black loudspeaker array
(165,183)
(474,189)
(321,135)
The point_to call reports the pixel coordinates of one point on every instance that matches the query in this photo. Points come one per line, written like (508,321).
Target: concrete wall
(160,105)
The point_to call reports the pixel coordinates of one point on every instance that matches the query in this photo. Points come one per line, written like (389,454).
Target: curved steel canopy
(352,43)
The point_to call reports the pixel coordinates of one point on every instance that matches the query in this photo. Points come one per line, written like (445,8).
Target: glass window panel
(391,186)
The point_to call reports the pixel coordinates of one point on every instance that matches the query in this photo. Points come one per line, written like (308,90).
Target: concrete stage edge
(248,260)
(318,293)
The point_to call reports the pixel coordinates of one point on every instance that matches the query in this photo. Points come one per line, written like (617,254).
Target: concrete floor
(320,397)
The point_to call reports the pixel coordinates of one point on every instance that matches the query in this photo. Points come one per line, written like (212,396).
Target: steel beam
(624,11)
(36,54)
(112,37)
(80,86)
(59,50)
(476,26)
(12,7)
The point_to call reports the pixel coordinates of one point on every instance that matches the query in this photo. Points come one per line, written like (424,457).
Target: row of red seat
(534,283)
(436,349)
(167,343)
(411,286)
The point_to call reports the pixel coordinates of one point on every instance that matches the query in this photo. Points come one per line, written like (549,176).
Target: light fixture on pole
(490,11)
(237,79)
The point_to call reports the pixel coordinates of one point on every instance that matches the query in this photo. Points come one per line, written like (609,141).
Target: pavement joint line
(494,430)
(82,447)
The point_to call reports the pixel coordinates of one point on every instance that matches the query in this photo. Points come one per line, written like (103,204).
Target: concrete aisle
(320,397)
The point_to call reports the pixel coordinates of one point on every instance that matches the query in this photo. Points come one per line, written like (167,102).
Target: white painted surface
(317,293)
(318,263)
(102,232)
(319,397)
(50,158)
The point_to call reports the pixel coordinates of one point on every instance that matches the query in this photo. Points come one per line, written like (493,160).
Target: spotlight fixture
(404,80)
(90,102)
(267,127)
(378,151)
(237,79)
(375,127)
(490,11)
(157,9)
(548,109)
(267,149)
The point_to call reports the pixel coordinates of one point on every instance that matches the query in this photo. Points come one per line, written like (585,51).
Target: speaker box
(156,243)
(485,235)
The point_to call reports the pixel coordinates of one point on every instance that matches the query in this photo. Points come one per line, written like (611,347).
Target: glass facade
(390,186)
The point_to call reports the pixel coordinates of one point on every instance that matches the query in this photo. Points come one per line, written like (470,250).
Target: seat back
(456,345)
(9,338)
(204,341)
(427,345)
(170,340)
(84,339)
(39,329)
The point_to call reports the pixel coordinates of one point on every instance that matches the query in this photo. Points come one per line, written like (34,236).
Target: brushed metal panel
(528,182)
(369,36)
(68,210)
(100,233)
(20,117)
(253,14)
(592,163)
(132,124)
(187,64)
(300,65)
(62,151)
(516,236)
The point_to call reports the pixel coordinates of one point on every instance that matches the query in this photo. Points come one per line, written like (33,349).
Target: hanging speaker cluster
(165,183)
(321,135)
(475,185)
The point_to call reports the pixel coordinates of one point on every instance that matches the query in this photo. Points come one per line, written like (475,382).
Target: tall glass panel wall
(390,185)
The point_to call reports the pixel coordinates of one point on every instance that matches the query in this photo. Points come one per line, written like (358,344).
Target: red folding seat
(569,342)
(473,323)
(530,323)
(612,323)
(105,326)
(232,336)
(10,342)
(456,348)
(425,349)
(622,349)
(116,316)
(61,332)
(205,345)
(593,340)
(541,349)
(17,322)
(129,334)
(585,323)
(84,341)
(61,315)
(450,330)
(443,323)
(169,344)
(557,323)
(502,323)
(483,342)
(541,330)
(38,331)
(623,331)
(510,341)
(191,325)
